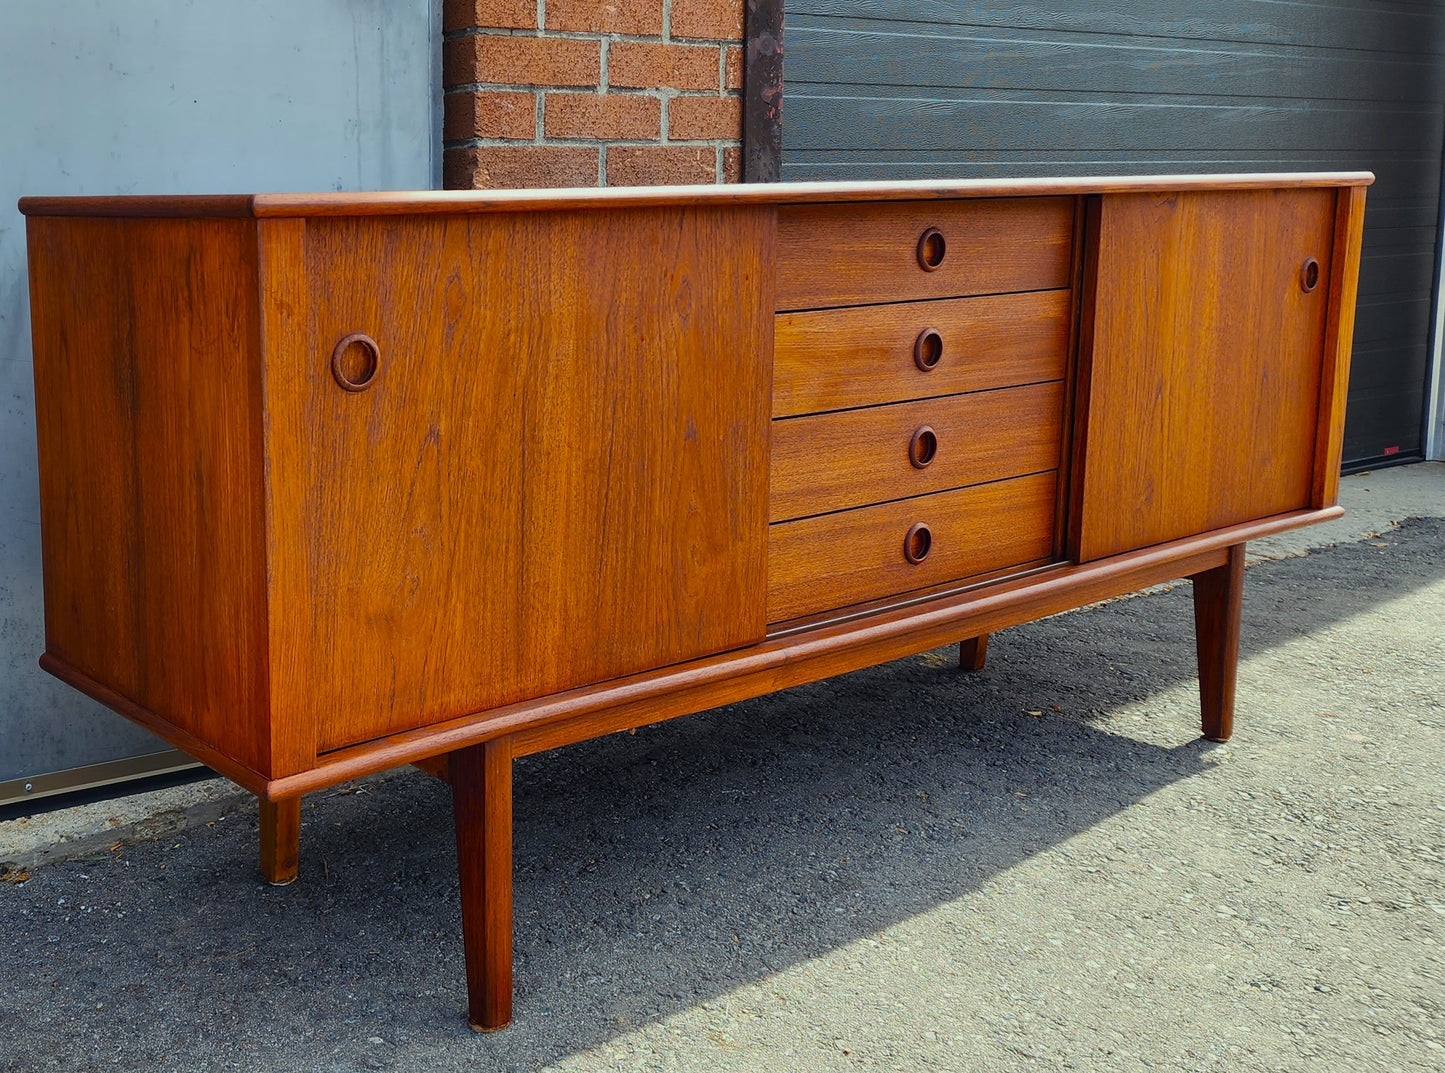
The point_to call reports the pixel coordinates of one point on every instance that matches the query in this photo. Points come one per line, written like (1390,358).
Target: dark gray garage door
(927,88)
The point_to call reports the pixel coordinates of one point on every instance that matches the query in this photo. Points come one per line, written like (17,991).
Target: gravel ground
(905,868)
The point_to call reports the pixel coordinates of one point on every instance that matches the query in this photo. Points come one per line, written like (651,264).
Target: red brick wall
(592,92)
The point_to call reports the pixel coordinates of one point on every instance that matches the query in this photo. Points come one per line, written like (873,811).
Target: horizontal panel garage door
(878,89)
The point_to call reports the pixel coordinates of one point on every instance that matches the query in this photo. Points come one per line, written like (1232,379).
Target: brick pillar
(592,92)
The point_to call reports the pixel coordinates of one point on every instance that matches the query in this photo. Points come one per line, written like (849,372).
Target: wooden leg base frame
(972,653)
(280,840)
(481,782)
(1218,600)
(481,778)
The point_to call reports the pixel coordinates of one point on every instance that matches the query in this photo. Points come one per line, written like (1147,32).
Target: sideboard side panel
(559,475)
(287,316)
(147,379)
(1339,339)
(1204,363)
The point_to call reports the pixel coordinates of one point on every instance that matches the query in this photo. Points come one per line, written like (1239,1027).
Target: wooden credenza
(332,483)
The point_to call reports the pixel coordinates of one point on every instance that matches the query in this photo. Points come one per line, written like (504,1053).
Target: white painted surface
(185,96)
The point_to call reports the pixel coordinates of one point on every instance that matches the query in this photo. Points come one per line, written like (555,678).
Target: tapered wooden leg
(973,652)
(481,779)
(1218,599)
(280,840)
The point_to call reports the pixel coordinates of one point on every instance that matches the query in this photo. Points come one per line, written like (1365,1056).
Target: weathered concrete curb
(66,834)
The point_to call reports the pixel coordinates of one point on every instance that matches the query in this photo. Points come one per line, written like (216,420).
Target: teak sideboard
(333,483)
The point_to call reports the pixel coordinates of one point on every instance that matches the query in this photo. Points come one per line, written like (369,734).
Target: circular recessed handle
(355,360)
(928,349)
(918,543)
(923,447)
(931,249)
(1309,275)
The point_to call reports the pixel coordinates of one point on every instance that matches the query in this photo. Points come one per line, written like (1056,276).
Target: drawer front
(828,462)
(838,255)
(834,560)
(836,358)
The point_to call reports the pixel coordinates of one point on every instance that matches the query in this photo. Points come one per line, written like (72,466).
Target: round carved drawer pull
(1309,275)
(355,360)
(923,447)
(927,349)
(931,249)
(918,543)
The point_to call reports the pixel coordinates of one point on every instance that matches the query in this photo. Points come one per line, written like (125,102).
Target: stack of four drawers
(919,365)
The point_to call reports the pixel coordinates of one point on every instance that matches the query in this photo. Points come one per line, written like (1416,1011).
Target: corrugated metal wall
(924,88)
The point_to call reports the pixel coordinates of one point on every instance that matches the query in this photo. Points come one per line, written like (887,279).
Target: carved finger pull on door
(355,361)
(1309,275)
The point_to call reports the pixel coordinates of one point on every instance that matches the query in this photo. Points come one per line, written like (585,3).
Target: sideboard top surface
(406,202)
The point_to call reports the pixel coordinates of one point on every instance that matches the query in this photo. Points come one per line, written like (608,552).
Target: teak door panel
(1201,362)
(558,475)
(147,396)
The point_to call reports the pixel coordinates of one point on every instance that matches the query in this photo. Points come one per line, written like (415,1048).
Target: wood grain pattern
(286,315)
(917,597)
(1204,364)
(837,559)
(558,476)
(783,661)
(280,840)
(871,641)
(833,255)
(1218,603)
(481,780)
(546,516)
(834,461)
(162,206)
(834,359)
(973,653)
(147,394)
(1081,369)
(435,766)
(1339,334)
(1075,388)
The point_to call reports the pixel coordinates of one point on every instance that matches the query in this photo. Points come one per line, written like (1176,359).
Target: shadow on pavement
(653,871)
